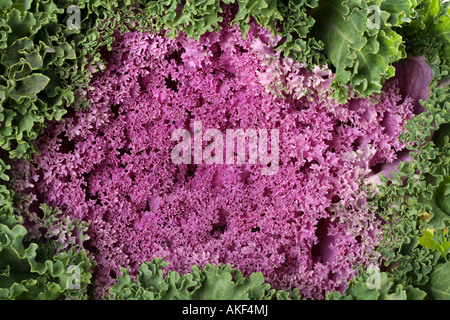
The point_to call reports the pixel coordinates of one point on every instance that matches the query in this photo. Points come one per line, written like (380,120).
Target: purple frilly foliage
(308,226)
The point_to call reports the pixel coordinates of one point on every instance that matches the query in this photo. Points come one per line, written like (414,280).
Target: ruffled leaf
(375,285)
(210,283)
(440,282)
(362,51)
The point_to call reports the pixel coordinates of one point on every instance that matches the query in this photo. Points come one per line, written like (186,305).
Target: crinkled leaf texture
(418,188)
(427,240)
(443,195)
(210,283)
(288,20)
(203,205)
(376,285)
(428,36)
(360,41)
(434,156)
(25,272)
(36,61)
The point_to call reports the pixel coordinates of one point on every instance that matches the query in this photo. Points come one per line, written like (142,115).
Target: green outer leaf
(443,194)
(210,283)
(362,54)
(29,87)
(427,240)
(437,23)
(440,281)
(403,199)
(5,4)
(428,35)
(375,285)
(36,63)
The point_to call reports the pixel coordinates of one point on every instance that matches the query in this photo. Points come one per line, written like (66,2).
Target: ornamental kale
(211,283)
(356,92)
(307,227)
